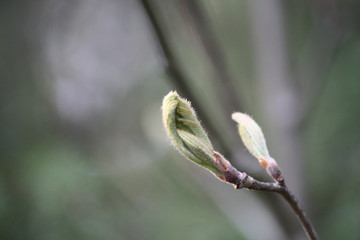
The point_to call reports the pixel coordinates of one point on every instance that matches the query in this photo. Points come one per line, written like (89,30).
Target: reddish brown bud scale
(232,176)
(275,172)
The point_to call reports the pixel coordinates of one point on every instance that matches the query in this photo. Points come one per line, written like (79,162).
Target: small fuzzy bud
(188,136)
(254,140)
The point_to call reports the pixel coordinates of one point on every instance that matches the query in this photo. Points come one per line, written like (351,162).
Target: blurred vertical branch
(222,77)
(173,69)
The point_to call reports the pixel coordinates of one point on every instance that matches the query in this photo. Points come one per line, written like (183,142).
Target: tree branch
(242,180)
(300,213)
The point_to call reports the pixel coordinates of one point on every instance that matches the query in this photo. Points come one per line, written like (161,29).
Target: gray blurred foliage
(82,148)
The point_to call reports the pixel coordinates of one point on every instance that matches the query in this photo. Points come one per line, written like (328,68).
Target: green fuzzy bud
(186,133)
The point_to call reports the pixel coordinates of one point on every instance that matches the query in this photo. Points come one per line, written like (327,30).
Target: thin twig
(300,213)
(245,181)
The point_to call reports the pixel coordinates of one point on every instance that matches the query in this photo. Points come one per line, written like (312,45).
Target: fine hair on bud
(186,133)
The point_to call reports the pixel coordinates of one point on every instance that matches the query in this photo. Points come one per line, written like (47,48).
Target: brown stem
(253,184)
(300,213)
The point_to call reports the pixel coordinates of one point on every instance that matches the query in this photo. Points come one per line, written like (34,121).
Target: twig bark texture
(245,181)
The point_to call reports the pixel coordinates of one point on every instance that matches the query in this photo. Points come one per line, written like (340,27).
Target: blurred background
(82,148)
